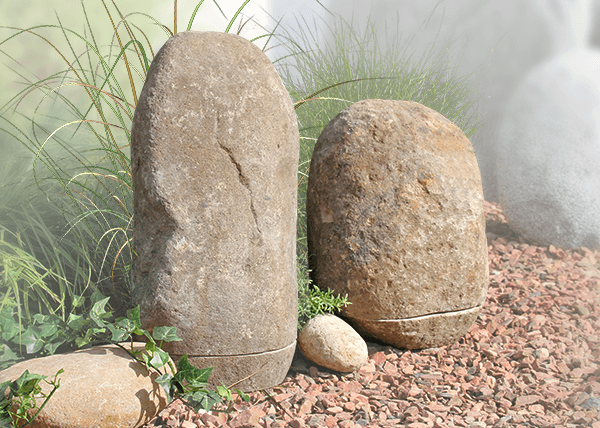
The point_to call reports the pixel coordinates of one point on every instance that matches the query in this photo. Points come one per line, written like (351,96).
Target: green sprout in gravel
(56,268)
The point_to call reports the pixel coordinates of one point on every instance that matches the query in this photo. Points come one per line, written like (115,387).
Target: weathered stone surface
(396,221)
(549,153)
(101,387)
(331,342)
(215,151)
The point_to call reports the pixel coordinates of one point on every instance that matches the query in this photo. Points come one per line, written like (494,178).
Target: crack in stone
(244,181)
(251,354)
(422,316)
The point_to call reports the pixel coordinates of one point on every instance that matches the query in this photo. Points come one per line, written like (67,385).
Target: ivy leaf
(196,377)
(166,334)
(203,399)
(96,296)
(8,327)
(145,333)
(30,339)
(224,392)
(48,325)
(3,387)
(53,346)
(82,341)
(242,395)
(150,347)
(160,358)
(76,322)
(7,358)
(165,382)
(126,325)
(145,358)
(78,301)
(26,384)
(134,316)
(6,420)
(97,332)
(118,334)
(98,312)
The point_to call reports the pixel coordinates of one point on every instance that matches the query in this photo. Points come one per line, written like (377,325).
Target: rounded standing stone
(214,154)
(396,221)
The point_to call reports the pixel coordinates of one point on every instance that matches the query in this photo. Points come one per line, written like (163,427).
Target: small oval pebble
(331,342)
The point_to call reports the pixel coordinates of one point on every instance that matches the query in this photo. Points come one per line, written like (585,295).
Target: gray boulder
(214,155)
(549,153)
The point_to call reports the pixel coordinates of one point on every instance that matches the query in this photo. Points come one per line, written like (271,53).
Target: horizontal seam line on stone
(239,355)
(420,316)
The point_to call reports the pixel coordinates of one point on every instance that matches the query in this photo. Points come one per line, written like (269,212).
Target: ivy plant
(46,334)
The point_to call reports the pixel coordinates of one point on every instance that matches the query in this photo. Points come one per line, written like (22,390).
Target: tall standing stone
(214,155)
(395,221)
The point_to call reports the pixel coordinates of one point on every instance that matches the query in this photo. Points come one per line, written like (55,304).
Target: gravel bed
(532,359)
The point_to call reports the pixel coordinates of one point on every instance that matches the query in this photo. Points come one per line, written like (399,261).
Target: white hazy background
(478,26)
(38,59)
(28,58)
(499,40)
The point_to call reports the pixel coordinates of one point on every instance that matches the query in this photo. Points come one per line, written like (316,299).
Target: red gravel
(532,359)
